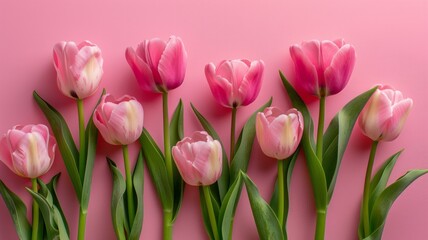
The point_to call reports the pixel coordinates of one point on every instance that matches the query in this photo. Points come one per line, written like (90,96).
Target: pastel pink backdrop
(390,38)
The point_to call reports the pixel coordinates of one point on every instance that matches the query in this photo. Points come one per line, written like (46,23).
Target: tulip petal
(154,50)
(339,72)
(328,51)
(220,87)
(124,122)
(142,71)
(5,156)
(172,64)
(395,124)
(250,86)
(375,115)
(306,73)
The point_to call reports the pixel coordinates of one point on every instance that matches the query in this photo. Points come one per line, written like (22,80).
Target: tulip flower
(384,115)
(159,66)
(79,68)
(322,68)
(120,121)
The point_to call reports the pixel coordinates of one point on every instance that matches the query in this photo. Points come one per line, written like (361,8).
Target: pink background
(390,38)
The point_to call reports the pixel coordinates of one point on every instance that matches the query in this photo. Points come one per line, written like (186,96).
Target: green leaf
(220,188)
(266,221)
(18,212)
(205,214)
(52,189)
(176,134)
(138,183)
(118,215)
(337,136)
(316,171)
(66,145)
(156,166)
(244,144)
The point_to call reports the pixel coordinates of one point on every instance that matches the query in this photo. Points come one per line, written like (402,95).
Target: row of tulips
(322,69)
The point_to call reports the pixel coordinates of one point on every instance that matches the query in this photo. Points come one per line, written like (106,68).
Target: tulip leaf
(52,189)
(66,145)
(316,171)
(176,134)
(205,215)
(138,184)
(119,218)
(157,169)
(244,144)
(266,221)
(337,136)
(220,188)
(18,212)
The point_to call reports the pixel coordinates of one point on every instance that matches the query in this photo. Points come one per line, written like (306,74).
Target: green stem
(211,212)
(366,196)
(320,127)
(232,133)
(82,139)
(281,192)
(82,225)
(320,228)
(166,138)
(129,190)
(34,234)
(167,224)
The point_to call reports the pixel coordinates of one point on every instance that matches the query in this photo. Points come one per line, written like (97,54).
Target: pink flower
(120,121)
(279,133)
(384,115)
(79,68)
(28,151)
(158,66)
(235,82)
(323,68)
(198,159)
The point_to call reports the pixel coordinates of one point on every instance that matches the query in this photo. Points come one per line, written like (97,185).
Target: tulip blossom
(79,68)
(323,68)
(279,133)
(120,121)
(235,82)
(158,66)
(28,150)
(384,115)
(198,159)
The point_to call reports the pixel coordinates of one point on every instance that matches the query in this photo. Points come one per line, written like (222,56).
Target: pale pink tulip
(198,159)
(322,68)
(235,82)
(279,133)
(120,121)
(384,115)
(79,68)
(158,66)
(28,151)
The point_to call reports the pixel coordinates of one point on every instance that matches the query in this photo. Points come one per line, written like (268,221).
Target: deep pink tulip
(322,68)
(235,82)
(384,115)
(120,121)
(279,133)
(198,159)
(158,66)
(79,68)
(28,151)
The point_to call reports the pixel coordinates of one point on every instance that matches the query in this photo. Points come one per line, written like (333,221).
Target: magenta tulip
(322,68)
(235,82)
(198,159)
(384,115)
(79,68)
(120,121)
(279,133)
(158,66)
(28,151)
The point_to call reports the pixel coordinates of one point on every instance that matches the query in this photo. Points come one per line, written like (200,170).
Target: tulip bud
(235,82)
(79,68)
(198,159)
(120,121)
(28,151)
(279,133)
(158,66)
(384,115)
(323,68)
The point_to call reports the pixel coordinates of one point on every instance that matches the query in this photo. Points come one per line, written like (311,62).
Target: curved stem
(167,224)
(320,131)
(82,225)
(210,209)
(35,228)
(129,190)
(320,228)
(366,196)
(232,134)
(281,192)
(82,140)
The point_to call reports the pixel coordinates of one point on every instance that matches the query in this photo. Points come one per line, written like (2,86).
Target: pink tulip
(198,159)
(384,115)
(79,68)
(120,121)
(279,133)
(158,66)
(323,68)
(28,151)
(235,82)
